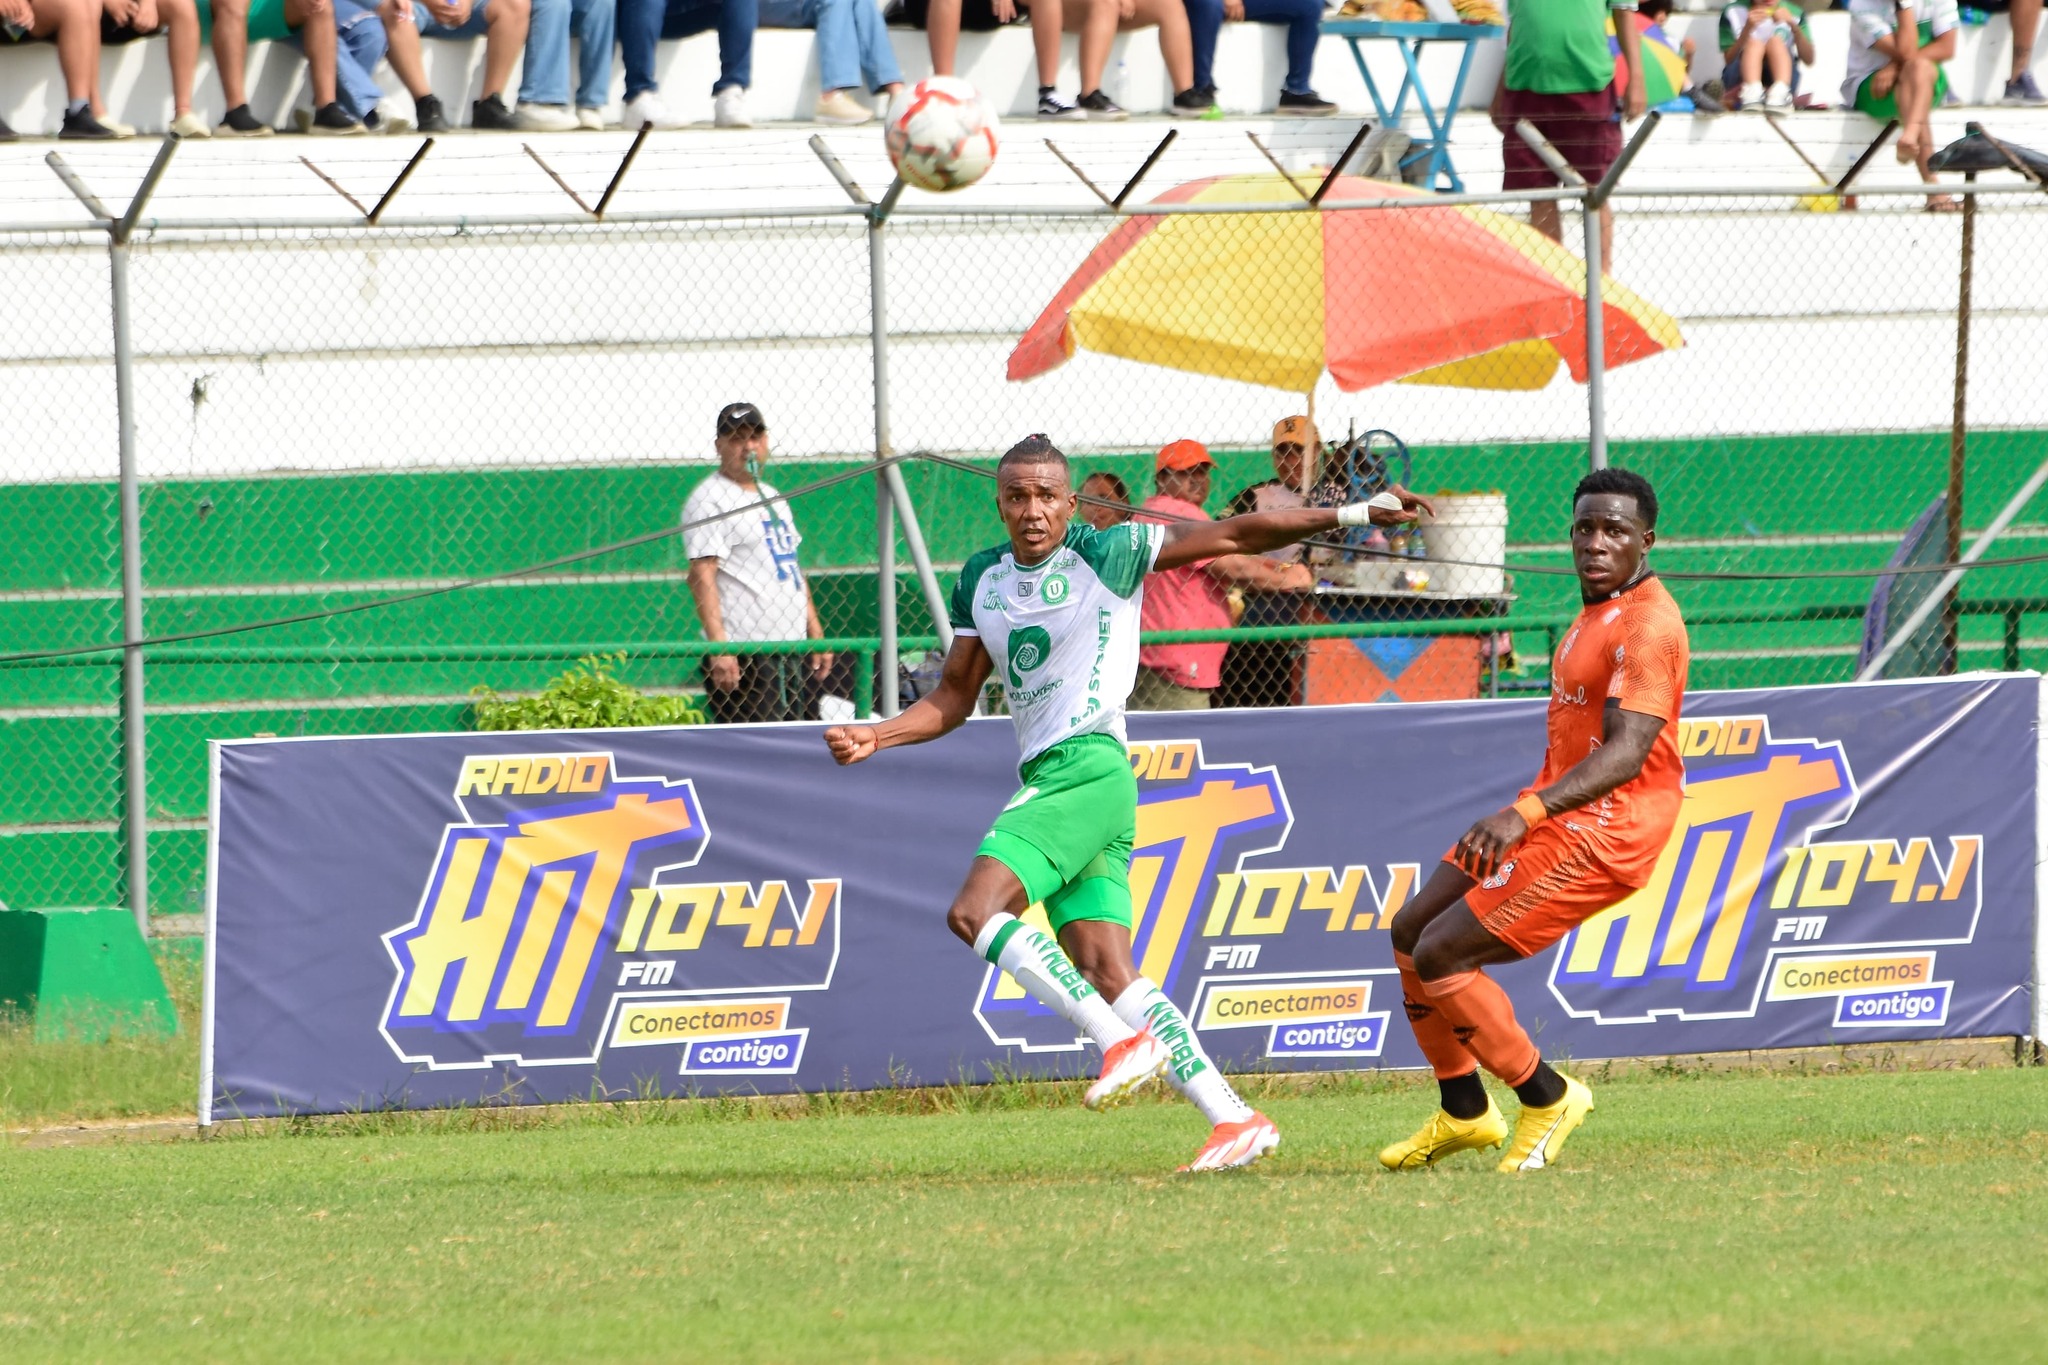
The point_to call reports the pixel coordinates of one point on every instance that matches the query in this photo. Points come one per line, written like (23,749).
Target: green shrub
(587,697)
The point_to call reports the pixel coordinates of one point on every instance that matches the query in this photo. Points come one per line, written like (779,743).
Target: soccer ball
(940,134)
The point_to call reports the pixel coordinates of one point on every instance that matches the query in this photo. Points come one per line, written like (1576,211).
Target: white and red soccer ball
(941,135)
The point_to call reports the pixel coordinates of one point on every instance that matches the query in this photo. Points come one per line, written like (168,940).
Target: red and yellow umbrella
(1448,295)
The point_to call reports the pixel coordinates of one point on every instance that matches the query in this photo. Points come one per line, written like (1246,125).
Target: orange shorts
(1550,884)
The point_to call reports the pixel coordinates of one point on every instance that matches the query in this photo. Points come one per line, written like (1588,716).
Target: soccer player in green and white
(1057,610)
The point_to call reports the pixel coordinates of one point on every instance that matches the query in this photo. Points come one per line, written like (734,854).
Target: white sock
(1144,1005)
(1036,963)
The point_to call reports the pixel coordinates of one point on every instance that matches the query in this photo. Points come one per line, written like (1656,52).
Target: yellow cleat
(1540,1133)
(1444,1135)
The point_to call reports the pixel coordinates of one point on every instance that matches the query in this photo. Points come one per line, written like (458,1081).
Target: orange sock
(1446,1055)
(1484,1020)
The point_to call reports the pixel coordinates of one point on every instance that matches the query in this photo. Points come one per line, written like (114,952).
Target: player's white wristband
(1360,513)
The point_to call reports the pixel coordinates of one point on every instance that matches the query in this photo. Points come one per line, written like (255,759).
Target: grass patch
(1697,1217)
(127,1077)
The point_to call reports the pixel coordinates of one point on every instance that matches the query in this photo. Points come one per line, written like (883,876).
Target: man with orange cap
(1184,677)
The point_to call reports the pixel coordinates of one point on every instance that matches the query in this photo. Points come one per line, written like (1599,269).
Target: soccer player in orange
(1584,836)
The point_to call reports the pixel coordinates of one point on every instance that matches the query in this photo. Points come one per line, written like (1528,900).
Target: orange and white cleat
(1236,1144)
(1126,1067)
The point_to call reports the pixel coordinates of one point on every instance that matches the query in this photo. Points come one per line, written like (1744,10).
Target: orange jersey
(1630,649)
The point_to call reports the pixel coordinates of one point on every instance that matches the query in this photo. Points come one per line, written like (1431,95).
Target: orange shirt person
(1584,836)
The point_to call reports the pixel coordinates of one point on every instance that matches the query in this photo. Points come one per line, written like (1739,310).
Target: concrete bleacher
(1250,61)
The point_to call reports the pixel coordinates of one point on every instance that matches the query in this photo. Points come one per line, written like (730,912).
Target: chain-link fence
(377,468)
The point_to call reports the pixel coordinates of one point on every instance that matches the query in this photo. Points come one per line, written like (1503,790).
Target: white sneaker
(189,124)
(115,126)
(645,110)
(590,120)
(1126,1066)
(841,109)
(543,118)
(729,108)
(1779,96)
(1752,97)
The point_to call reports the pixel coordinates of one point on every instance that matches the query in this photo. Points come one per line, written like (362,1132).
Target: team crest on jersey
(1055,590)
(1030,647)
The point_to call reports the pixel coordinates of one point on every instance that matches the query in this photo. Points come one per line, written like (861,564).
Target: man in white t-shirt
(744,575)
(1895,54)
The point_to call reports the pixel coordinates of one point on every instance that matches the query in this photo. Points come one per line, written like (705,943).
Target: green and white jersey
(1063,632)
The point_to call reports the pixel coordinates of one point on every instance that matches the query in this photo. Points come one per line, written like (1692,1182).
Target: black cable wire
(867,468)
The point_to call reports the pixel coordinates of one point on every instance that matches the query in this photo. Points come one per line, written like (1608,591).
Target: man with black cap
(748,586)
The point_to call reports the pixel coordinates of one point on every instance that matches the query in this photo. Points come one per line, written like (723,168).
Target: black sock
(1543,1088)
(1045,90)
(1464,1097)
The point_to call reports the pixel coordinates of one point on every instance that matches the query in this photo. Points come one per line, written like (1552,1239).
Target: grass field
(1696,1217)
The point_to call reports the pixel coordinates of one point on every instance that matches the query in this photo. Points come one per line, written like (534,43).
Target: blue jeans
(642,23)
(546,80)
(852,40)
(359,47)
(1304,19)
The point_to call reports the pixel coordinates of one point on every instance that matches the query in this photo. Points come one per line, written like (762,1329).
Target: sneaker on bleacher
(2022,90)
(543,118)
(729,108)
(840,109)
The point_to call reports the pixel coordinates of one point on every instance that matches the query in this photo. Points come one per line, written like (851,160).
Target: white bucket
(1472,527)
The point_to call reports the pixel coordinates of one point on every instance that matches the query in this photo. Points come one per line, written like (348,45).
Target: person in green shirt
(1561,77)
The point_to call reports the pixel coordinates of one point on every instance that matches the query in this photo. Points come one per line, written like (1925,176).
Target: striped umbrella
(1435,295)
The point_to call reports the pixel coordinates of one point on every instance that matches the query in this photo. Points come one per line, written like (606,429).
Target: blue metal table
(1409,38)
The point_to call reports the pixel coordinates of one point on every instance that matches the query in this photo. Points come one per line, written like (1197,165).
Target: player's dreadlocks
(1625,481)
(1035,449)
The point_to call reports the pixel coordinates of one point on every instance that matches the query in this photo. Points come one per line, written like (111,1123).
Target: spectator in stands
(1759,40)
(1895,54)
(1560,77)
(1304,20)
(359,45)
(74,26)
(853,47)
(1261,672)
(501,24)
(2025,16)
(1185,677)
(942,21)
(309,25)
(1107,486)
(643,23)
(123,21)
(1099,21)
(544,84)
(747,583)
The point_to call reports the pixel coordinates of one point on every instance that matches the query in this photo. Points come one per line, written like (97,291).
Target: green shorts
(1887,109)
(1068,831)
(266,22)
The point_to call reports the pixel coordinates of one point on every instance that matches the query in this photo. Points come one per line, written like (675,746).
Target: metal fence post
(1959,431)
(134,724)
(887,699)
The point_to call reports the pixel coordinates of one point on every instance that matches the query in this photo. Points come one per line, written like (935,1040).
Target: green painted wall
(289,545)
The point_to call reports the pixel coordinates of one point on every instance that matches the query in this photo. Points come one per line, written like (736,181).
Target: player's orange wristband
(1530,808)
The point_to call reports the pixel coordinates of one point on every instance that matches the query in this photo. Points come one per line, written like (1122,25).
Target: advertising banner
(438,919)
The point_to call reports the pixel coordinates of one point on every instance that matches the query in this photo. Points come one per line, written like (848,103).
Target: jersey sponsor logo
(553,902)
(1750,889)
(1206,898)
(781,541)
(1030,647)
